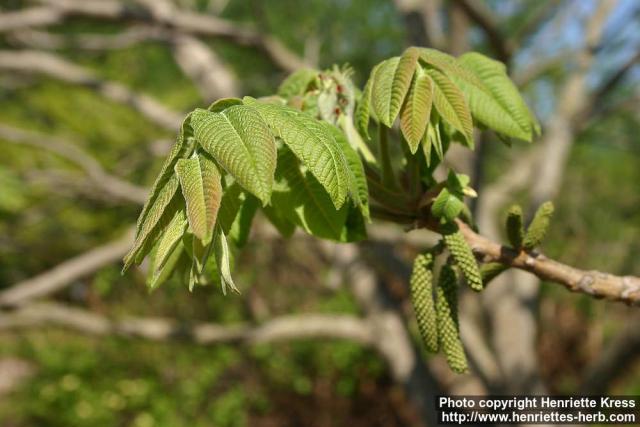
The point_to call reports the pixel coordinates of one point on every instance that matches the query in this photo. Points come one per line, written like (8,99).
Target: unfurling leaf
(240,141)
(447,319)
(447,205)
(223,257)
(422,300)
(539,226)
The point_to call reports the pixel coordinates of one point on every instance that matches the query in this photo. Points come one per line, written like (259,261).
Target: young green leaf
(241,226)
(391,84)
(303,200)
(279,221)
(241,142)
(381,89)
(212,188)
(447,205)
(157,217)
(223,257)
(362,114)
(310,141)
(159,275)
(497,103)
(190,176)
(162,187)
(451,105)
(223,103)
(402,82)
(359,189)
(417,109)
(170,238)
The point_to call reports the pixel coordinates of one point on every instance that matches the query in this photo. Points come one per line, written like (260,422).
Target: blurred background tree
(92,94)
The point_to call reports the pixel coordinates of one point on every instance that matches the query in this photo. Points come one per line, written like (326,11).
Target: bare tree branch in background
(175,19)
(479,13)
(66,272)
(157,329)
(113,185)
(131,36)
(392,337)
(30,61)
(209,74)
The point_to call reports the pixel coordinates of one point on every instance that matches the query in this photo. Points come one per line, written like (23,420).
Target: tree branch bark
(594,283)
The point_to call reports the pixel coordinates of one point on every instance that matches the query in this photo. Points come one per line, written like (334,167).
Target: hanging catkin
(463,256)
(447,319)
(422,299)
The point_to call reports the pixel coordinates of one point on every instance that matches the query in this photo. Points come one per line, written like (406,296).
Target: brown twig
(594,283)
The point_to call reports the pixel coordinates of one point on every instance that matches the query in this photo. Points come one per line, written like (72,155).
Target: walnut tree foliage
(304,158)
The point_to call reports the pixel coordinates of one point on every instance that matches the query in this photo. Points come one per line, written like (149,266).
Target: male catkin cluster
(463,256)
(422,299)
(447,319)
(539,225)
(515,229)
